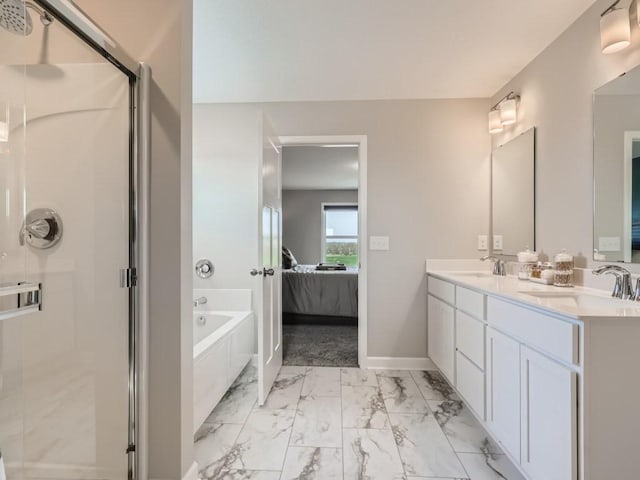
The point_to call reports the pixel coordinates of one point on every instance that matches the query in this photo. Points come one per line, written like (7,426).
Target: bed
(306,291)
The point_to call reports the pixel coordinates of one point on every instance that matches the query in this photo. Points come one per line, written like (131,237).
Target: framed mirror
(616,170)
(513,194)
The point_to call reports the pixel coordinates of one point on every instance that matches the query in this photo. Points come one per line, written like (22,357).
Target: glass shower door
(12,258)
(65,175)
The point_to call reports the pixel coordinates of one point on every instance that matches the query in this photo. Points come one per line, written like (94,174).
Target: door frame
(627,239)
(361,142)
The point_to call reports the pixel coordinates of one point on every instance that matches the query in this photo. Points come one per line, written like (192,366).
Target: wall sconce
(615,29)
(503,113)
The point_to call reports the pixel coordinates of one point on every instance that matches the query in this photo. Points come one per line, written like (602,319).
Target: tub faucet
(498,265)
(199,301)
(622,287)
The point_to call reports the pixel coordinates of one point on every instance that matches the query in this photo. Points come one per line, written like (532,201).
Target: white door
(269,308)
(548,418)
(503,390)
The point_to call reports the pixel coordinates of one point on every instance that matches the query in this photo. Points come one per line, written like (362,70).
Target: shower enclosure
(69,247)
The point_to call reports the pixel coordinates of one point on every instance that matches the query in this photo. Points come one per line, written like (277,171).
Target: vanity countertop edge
(557,303)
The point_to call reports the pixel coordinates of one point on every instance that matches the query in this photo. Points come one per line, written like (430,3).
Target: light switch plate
(609,244)
(378,243)
(483,243)
(497,242)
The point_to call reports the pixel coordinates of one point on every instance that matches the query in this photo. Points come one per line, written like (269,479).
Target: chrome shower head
(14,17)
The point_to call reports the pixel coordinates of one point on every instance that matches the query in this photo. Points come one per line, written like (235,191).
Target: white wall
(226,145)
(428,189)
(302,220)
(557,98)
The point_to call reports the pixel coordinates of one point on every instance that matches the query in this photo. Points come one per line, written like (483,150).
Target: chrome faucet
(622,287)
(199,301)
(499,267)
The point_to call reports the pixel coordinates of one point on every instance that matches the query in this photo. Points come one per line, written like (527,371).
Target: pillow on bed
(288,260)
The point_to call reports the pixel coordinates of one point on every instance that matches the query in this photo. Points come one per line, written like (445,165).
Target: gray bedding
(310,292)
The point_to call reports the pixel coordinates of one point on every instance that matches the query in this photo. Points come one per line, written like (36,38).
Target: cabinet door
(441,336)
(548,399)
(503,390)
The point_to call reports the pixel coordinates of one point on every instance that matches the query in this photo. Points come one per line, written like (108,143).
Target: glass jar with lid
(563,266)
(526,261)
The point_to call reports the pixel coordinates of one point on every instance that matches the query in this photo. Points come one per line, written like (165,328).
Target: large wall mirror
(616,169)
(513,193)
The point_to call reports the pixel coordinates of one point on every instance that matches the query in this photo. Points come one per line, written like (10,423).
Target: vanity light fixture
(495,123)
(615,29)
(503,113)
(4,125)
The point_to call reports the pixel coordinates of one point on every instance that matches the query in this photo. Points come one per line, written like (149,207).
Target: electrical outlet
(483,243)
(497,242)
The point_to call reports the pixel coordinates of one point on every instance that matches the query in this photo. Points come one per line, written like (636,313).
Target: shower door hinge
(128,278)
(131,448)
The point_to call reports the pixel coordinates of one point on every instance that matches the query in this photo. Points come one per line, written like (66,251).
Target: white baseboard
(192,473)
(400,363)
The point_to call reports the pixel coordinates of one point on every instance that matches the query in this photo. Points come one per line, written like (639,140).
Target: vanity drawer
(470,338)
(470,384)
(550,334)
(470,302)
(441,289)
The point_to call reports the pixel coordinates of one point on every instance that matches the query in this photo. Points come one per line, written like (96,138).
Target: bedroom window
(340,234)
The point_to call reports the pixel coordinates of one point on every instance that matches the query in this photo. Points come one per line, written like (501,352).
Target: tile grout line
(441,429)
(286,453)
(404,470)
(243,424)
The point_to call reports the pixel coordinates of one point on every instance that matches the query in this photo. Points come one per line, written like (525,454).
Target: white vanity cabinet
(441,336)
(503,390)
(456,339)
(470,348)
(548,417)
(551,373)
(533,358)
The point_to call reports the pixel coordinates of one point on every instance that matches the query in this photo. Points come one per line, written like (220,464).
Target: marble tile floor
(326,423)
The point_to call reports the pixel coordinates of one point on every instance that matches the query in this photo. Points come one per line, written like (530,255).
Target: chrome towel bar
(29,298)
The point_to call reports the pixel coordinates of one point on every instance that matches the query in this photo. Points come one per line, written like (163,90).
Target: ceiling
(319,168)
(296,50)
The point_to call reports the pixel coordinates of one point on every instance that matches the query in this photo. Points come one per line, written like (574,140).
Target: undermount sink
(474,274)
(576,299)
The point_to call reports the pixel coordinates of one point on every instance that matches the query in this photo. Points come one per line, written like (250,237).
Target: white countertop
(576,302)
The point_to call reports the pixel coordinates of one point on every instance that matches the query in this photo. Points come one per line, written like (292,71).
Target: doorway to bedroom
(322,253)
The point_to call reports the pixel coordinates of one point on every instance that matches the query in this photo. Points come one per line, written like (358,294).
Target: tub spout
(199,301)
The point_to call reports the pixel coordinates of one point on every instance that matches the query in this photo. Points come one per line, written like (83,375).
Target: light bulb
(508,112)
(4,125)
(495,123)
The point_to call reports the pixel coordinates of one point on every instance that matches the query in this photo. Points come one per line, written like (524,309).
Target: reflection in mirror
(513,190)
(616,169)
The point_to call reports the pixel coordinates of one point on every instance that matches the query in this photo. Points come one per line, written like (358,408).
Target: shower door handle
(29,298)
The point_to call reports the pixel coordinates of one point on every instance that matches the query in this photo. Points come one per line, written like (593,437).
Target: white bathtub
(222,346)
